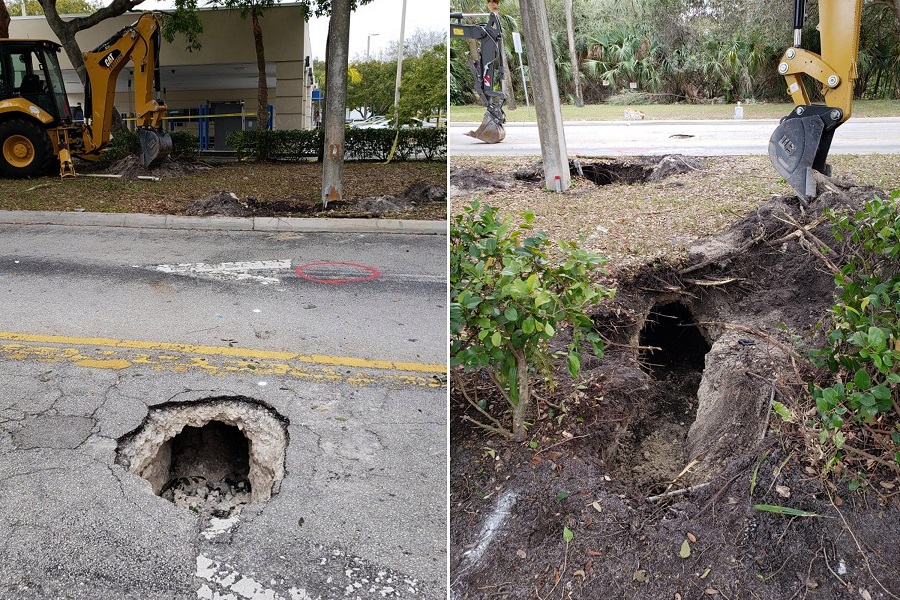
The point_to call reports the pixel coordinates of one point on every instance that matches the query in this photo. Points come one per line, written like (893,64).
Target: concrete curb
(141,221)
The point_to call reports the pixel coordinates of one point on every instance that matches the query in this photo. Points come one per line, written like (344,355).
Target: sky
(382,17)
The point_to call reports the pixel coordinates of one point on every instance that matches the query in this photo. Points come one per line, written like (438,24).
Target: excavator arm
(136,44)
(801,142)
(487,70)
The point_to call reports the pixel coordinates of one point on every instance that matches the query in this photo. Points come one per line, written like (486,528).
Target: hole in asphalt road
(211,456)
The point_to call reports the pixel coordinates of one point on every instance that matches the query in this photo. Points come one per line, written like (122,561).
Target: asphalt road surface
(344,335)
(692,138)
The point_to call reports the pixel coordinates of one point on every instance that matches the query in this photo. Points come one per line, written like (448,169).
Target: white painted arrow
(230,271)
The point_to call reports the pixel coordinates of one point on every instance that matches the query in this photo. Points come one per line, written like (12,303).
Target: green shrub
(123,143)
(508,299)
(863,344)
(359,144)
(184,144)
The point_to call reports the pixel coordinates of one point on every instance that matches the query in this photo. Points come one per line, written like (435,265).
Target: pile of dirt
(219,203)
(470,180)
(416,195)
(130,168)
(420,197)
(661,454)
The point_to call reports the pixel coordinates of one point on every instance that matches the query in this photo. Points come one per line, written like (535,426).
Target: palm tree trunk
(262,93)
(576,73)
(507,79)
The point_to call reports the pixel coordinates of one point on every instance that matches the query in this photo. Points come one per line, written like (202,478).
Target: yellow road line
(319,359)
(109,353)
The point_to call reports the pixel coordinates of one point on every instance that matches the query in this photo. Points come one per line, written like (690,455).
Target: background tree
(573,54)
(254,9)
(695,50)
(4,20)
(424,88)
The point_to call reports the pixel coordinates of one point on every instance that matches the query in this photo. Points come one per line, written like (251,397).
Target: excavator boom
(801,142)
(139,44)
(487,70)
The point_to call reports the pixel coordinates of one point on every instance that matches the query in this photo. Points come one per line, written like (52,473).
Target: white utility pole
(517,44)
(399,68)
(369,44)
(546,95)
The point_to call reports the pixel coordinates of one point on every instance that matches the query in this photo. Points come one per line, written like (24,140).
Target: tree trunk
(507,79)
(4,20)
(523,384)
(473,58)
(576,72)
(262,94)
(336,105)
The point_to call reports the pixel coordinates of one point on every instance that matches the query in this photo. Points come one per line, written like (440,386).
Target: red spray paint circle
(370,272)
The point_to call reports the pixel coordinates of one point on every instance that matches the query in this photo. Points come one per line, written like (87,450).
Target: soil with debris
(417,200)
(220,499)
(655,458)
(130,167)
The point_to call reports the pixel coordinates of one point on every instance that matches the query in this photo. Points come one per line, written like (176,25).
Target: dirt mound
(130,168)
(420,192)
(412,197)
(664,443)
(474,179)
(219,203)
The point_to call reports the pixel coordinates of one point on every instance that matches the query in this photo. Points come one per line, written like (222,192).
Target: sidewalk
(144,221)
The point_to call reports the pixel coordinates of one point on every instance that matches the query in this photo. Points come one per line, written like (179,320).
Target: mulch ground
(657,462)
(270,189)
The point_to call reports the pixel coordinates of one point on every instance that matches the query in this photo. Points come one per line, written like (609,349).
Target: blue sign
(316,95)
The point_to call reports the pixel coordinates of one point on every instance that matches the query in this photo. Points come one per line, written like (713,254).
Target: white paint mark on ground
(223,577)
(219,526)
(260,271)
(492,526)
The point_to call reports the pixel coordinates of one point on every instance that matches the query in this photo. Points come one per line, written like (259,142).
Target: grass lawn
(266,182)
(671,112)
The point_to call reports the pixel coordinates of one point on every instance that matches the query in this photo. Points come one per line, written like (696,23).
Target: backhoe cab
(36,121)
(801,142)
(487,70)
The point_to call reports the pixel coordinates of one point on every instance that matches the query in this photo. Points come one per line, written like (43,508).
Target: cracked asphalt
(361,512)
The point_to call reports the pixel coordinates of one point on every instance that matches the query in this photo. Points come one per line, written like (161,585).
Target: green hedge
(125,142)
(359,144)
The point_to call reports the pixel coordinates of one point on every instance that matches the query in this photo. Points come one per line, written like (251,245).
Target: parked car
(416,123)
(371,121)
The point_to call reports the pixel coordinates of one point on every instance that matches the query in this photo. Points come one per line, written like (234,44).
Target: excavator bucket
(489,132)
(792,150)
(156,145)
(800,144)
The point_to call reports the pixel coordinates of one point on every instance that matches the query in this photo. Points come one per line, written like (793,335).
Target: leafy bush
(123,143)
(184,144)
(279,144)
(359,144)
(508,298)
(863,345)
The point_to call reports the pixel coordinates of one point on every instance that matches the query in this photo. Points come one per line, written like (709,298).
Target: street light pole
(399,68)
(369,44)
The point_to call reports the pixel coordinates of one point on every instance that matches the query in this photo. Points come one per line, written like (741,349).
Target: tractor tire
(25,149)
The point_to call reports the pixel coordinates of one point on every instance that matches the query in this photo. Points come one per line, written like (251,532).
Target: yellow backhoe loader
(36,122)
(801,142)
(487,70)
